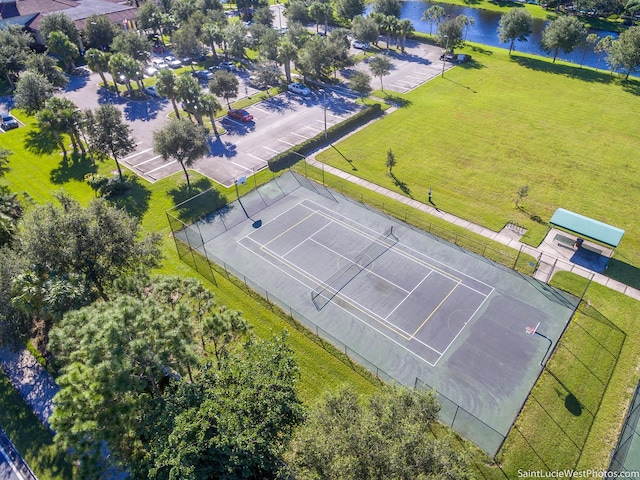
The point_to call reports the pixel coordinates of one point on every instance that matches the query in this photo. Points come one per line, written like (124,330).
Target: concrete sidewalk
(557,257)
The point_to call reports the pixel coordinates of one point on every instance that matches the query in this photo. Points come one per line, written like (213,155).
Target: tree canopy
(624,53)
(182,140)
(563,33)
(516,24)
(387,436)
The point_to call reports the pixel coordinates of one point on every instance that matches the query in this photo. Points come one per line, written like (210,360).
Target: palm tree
(48,121)
(388,26)
(68,118)
(166,86)
(405,26)
(98,62)
(287,53)
(210,35)
(210,106)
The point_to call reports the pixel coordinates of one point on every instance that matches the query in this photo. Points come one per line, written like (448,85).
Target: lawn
(491,126)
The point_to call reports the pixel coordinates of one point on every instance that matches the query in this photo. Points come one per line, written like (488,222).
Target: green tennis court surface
(413,305)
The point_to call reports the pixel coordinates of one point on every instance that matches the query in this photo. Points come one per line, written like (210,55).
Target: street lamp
(279,15)
(325,113)
(444,56)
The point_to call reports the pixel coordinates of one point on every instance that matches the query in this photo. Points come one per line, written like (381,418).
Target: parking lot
(278,123)
(419,64)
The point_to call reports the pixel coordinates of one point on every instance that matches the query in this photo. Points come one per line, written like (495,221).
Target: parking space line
(299,135)
(253,107)
(241,166)
(271,149)
(137,153)
(287,143)
(147,161)
(257,158)
(160,167)
(311,128)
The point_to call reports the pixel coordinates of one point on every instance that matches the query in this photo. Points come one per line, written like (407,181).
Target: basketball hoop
(529,330)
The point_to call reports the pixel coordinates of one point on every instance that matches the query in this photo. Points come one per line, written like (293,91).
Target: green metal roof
(601,232)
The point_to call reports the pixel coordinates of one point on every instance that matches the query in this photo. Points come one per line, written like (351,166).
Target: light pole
(444,55)
(325,113)
(279,15)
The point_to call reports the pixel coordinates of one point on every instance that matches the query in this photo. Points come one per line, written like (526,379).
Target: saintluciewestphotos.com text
(575,474)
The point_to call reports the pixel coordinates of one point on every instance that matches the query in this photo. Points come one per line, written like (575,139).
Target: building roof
(588,227)
(77,10)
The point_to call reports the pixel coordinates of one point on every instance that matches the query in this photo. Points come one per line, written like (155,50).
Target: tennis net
(324,293)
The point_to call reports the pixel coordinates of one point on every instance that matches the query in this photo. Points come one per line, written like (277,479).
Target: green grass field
(496,124)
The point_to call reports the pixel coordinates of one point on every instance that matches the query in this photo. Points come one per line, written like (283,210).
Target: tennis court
(415,301)
(420,309)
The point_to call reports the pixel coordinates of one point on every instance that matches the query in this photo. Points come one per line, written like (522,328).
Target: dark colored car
(239,114)
(7,122)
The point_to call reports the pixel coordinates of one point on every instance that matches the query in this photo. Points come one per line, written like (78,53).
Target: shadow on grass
(404,188)
(353,167)
(623,272)
(40,142)
(76,169)
(396,100)
(31,438)
(574,71)
(192,204)
(135,200)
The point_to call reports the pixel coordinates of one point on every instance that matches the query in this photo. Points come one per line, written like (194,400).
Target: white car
(150,71)
(152,91)
(299,88)
(160,64)
(172,61)
(360,45)
(228,66)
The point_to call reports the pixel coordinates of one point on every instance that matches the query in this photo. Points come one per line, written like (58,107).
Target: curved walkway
(555,257)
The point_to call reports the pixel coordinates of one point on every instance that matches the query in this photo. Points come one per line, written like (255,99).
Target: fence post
(517,257)
(455,415)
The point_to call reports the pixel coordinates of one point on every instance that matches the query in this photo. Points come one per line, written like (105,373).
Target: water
(485,31)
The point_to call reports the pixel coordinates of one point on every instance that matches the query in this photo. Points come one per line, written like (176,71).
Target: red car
(241,115)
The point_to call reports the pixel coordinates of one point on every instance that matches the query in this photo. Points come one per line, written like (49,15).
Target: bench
(561,239)
(592,249)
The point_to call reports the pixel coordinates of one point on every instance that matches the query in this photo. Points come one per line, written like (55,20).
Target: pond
(485,31)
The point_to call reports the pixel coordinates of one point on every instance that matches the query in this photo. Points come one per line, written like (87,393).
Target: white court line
(147,161)
(374,316)
(355,304)
(318,282)
(160,167)
(13,467)
(416,254)
(137,153)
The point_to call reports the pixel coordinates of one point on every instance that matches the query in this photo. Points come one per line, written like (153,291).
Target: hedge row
(289,157)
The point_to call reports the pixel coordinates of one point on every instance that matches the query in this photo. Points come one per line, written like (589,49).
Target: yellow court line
(434,310)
